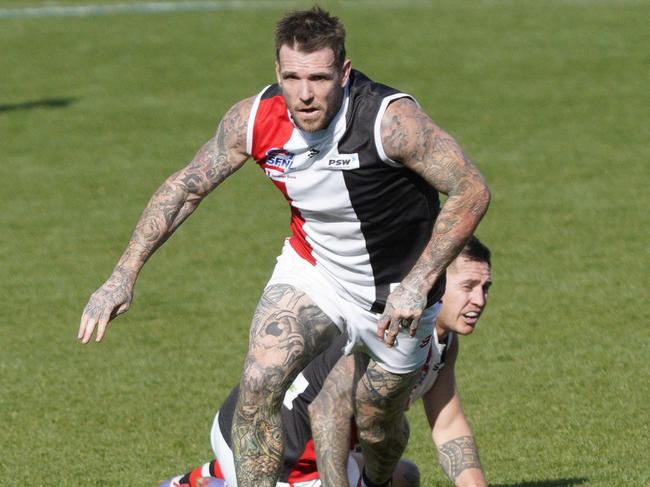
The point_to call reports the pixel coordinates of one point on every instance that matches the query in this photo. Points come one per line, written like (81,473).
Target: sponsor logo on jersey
(278,159)
(342,161)
(312,152)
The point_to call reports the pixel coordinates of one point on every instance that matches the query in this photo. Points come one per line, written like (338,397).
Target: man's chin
(310,126)
(466,328)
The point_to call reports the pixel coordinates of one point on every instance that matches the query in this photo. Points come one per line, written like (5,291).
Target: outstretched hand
(404,308)
(110,300)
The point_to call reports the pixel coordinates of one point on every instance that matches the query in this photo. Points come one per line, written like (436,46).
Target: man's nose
(478,297)
(306,94)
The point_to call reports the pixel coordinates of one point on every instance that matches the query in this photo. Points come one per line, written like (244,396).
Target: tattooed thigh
(288,330)
(381,391)
(379,401)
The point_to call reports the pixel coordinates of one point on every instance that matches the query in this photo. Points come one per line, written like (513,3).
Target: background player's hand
(110,300)
(404,307)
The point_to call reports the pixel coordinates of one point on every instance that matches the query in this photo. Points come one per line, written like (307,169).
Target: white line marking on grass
(180,6)
(139,8)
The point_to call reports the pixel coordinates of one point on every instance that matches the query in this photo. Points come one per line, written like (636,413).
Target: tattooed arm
(408,135)
(330,415)
(170,205)
(450,430)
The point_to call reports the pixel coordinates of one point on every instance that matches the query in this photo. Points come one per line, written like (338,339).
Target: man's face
(465,296)
(312,86)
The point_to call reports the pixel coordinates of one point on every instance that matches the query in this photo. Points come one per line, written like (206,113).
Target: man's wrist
(420,282)
(125,273)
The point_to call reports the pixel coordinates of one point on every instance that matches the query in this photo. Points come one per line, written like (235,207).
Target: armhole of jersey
(251,122)
(380,115)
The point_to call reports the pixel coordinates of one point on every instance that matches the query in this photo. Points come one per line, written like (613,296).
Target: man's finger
(101,326)
(82,326)
(88,328)
(382,324)
(393,330)
(414,326)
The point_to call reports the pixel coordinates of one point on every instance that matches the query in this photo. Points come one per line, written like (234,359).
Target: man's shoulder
(360,84)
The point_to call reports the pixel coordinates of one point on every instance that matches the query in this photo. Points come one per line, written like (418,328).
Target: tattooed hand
(404,308)
(112,299)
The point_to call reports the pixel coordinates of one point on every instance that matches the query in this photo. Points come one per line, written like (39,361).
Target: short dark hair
(477,251)
(311,30)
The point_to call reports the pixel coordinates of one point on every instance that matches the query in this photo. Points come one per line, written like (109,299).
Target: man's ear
(345,72)
(277,72)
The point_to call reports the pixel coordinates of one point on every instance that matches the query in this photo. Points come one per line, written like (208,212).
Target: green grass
(549,98)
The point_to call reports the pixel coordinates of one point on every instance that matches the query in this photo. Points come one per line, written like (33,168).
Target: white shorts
(408,353)
(224,456)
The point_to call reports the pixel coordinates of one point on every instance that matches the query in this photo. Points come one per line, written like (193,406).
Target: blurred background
(99,103)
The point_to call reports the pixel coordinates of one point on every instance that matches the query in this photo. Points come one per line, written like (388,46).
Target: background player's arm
(170,205)
(450,430)
(330,415)
(408,135)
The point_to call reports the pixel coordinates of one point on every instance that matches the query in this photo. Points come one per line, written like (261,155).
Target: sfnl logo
(277,161)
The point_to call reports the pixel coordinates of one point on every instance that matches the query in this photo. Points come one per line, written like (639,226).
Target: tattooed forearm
(457,455)
(330,415)
(182,192)
(409,136)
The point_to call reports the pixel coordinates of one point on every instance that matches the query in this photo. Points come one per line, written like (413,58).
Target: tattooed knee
(373,432)
(263,390)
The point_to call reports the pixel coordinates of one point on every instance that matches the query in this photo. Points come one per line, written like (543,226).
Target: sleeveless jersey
(299,459)
(357,215)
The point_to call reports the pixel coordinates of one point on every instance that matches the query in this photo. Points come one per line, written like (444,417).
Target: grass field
(549,98)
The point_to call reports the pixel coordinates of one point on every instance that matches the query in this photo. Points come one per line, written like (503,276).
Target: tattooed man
(330,408)
(360,165)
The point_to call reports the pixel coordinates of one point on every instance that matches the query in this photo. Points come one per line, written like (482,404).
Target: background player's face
(465,296)
(312,85)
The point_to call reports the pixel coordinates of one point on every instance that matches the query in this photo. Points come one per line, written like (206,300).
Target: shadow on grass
(546,483)
(45,103)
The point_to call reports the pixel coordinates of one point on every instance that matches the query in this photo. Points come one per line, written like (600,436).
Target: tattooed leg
(330,415)
(457,455)
(288,330)
(379,411)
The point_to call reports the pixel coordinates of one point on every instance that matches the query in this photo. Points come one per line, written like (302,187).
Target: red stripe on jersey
(272,129)
(298,238)
(305,468)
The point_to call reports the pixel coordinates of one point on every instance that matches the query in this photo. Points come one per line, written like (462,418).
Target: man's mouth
(471,317)
(308,110)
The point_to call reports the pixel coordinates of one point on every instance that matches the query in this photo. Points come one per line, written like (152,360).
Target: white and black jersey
(357,215)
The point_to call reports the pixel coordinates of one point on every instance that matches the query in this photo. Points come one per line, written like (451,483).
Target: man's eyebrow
(293,72)
(470,280)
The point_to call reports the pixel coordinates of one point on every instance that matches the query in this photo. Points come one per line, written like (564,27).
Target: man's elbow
(482,199)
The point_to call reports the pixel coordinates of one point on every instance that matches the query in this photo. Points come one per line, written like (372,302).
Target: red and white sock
(211,469)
